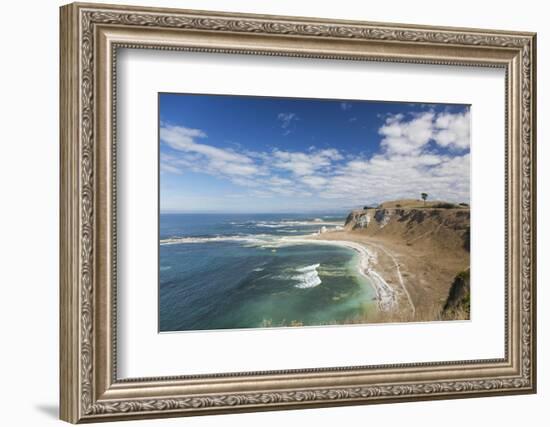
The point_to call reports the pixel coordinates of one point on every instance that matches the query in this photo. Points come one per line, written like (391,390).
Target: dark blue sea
(229,271)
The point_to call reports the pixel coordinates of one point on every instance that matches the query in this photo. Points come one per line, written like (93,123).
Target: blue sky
(265,154)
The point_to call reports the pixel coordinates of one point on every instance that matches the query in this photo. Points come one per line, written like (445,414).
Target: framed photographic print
(263,212)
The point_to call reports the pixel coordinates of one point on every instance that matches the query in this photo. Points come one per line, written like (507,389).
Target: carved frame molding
(90,37)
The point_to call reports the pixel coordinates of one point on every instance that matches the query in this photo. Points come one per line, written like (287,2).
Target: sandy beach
(408,279)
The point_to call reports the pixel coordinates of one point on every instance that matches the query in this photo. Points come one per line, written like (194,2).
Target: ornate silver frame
(90,36)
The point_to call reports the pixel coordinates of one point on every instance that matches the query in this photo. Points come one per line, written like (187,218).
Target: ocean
(234,271)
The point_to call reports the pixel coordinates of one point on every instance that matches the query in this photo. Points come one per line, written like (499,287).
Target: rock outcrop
(446,227)
(459,294)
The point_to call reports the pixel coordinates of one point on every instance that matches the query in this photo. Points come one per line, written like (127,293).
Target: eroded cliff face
(459,294)
(437,227)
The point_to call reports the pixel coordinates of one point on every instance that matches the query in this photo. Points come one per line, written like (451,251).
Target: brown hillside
(429,244)
(420,204)
(436,228)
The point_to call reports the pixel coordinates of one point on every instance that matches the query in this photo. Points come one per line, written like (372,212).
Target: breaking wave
(258,239)
(308,277)
(293,223)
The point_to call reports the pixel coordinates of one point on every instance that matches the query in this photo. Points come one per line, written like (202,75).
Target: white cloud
(183,139)
(278,181)
(387,177)
(317,182)
(401,136)
(331,153)
(244,182)
(202,157)
(345,106)
(286,120)
(453,130)
(168,168)
(405,165)
(406,137)
(305,163)
(261,194)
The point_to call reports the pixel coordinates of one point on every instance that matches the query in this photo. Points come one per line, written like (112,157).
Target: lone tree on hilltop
(424,197)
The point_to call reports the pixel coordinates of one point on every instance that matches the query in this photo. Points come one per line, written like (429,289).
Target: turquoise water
(231,271)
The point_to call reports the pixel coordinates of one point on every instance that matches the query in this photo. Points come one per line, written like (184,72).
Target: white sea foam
(257,239)
(308,268)
(266,240)
(293,223)
(308,277)
(270,225)
(385,294)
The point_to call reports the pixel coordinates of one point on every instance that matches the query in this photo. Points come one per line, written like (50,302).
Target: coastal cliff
(438,225)
(459,294)
(423,248)
(419,251)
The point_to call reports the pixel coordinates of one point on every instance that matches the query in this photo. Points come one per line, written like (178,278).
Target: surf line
(386,296)
(400,277)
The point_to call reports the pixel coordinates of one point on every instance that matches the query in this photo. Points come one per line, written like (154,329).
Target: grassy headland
(421,250)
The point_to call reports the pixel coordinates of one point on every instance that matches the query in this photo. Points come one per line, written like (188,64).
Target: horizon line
(253,212)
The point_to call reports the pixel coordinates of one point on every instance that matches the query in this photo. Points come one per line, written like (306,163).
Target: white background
(29,173)
(145,353)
